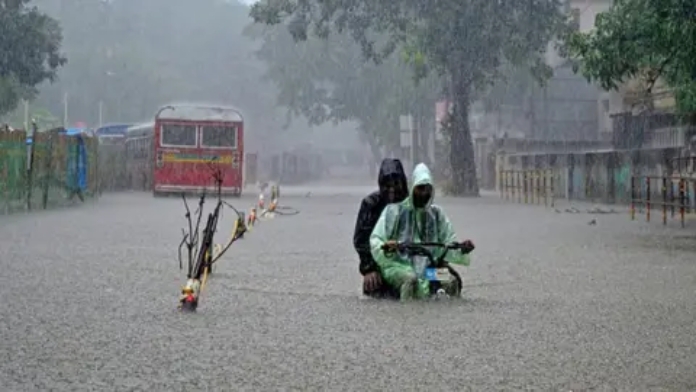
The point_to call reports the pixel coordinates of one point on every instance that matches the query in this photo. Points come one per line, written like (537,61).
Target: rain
(209,195)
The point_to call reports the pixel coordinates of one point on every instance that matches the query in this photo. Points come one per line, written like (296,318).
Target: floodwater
(551,303)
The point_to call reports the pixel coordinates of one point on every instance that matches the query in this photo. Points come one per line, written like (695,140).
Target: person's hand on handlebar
(466,246)
(390,246)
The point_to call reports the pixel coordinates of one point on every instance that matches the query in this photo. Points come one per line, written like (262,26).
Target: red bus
(188,139)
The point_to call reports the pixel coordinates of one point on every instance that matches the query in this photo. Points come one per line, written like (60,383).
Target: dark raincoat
(370,210)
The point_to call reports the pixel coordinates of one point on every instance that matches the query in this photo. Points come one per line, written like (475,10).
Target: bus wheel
(158,194)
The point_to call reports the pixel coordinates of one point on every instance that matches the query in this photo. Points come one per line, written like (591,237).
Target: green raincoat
(402,222)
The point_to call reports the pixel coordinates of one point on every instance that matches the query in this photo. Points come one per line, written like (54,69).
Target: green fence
(43,174)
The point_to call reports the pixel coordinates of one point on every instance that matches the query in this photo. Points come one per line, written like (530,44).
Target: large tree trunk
(464,181)
(376,154)
(375,150)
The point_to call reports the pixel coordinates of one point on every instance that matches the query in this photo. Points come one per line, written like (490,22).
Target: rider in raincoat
(393,188)
(413,220)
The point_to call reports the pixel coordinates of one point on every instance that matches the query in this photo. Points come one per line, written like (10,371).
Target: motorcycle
(436,271)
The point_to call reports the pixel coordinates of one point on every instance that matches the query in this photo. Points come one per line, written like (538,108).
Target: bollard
(519,187)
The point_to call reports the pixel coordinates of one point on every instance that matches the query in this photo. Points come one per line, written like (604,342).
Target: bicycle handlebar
(421,249)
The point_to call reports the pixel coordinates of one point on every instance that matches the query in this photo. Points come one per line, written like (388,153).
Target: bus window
(178,135)
(219,136)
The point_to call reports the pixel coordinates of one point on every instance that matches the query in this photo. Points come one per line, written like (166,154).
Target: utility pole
(101,113)
(26,115)
(65,110)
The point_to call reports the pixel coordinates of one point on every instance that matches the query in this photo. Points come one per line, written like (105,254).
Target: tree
(327,80)
(644,39)
(134,56)
(30,44)
(465,41)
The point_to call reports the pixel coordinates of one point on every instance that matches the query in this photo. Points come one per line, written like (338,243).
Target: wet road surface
(552,303)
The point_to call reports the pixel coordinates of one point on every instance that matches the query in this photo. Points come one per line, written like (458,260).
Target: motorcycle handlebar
(403,246)
(422,249)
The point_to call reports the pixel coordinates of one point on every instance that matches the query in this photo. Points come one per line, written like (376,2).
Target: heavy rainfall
(205,195)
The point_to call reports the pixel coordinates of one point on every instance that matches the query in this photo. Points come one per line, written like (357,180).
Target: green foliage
(467,38)
(135,56)
(466,41)
(328,80)
(45,120)
(646,39)
(30,44)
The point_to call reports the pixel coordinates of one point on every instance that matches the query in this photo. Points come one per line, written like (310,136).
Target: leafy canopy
(645,39)
(328,80)
(134,56)
(29,47)
(468,39)
(465,41)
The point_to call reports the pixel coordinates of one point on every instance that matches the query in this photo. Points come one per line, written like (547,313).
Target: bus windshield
(219,136)
(178,135)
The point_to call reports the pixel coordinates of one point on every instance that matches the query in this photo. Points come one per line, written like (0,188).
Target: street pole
(101,113)
(65,110)
(413,141)
(26,115)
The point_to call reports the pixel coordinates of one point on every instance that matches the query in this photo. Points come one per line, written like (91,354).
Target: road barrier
(673,195)
(527,186)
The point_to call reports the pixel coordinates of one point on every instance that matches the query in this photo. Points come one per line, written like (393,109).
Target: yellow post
(552,190)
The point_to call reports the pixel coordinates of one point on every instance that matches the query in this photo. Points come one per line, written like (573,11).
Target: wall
(597,176)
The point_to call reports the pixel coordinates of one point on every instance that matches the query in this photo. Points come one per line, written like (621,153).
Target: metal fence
(527,186)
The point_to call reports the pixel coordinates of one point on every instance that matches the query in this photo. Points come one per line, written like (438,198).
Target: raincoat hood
(421,176)
(391,168)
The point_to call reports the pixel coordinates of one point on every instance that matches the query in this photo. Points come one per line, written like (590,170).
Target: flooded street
(551,303)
